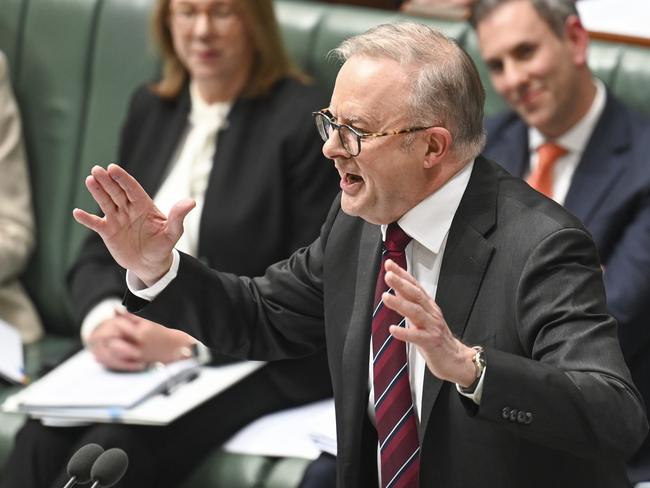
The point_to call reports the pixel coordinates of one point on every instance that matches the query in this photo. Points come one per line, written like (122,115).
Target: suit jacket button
(528,418)
(521,417)
(505,413)
(513,414)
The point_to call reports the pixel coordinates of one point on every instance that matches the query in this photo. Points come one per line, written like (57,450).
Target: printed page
(286,433)
(83,382)
(12,363)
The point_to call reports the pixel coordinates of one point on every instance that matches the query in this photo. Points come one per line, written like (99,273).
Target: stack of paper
(323,433)
(12,365)
(81,382)
(80,389)
(295,427)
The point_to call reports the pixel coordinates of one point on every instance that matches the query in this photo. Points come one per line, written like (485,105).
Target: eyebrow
(351,119)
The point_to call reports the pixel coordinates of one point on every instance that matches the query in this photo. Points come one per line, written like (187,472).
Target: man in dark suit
(511,377)
(536,52)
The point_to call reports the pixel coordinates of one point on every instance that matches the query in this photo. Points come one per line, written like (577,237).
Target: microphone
(109,468)
(81,462)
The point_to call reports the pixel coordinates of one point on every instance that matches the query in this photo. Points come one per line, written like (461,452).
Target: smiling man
(536,52)
(463,313)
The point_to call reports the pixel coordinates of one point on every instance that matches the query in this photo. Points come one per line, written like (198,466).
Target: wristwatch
(479,364)
(191,351)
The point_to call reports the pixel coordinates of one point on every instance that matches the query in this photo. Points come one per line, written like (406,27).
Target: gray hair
(554,12)
(446,87)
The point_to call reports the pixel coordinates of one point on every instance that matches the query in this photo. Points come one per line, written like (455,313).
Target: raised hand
(138,235)
(446,356)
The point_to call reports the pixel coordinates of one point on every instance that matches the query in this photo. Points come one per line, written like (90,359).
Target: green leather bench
(74,64)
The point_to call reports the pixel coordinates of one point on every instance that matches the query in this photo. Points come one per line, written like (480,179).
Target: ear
(578,38)
(438,145)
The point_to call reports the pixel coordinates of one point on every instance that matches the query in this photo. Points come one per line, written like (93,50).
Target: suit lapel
(170,126)
(465,261)
(226,165)
(601,165)
(356,348)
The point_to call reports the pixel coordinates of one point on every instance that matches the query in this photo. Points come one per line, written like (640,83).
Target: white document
(81,382)
(286,433)
(324,430)
(157,409)
(12,362)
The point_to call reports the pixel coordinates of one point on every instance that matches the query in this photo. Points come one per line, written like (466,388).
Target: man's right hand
(138,235)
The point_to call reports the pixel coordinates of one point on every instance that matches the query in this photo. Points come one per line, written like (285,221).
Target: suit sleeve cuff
(140,290)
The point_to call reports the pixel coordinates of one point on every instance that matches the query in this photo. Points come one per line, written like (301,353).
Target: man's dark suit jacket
(268,193)
(520,276)
(610,194)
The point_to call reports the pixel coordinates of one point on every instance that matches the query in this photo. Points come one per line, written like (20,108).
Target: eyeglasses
(185,14)
(349,136)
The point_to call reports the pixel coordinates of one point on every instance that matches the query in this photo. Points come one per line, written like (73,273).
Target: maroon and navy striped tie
(395,417)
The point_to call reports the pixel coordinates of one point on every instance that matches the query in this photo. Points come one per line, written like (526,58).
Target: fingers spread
(407,288)
(114,190)
(178,213)
(407,334)
(102,198)
(392,266)
(411,310)
(129,185)
(93,222)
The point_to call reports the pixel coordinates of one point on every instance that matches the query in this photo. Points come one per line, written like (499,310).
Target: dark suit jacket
(610,193)
(520,276)
(269,189)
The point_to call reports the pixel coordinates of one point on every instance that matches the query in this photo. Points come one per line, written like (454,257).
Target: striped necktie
(395,417)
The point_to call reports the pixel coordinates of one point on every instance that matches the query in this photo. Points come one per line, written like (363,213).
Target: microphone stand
(71,483)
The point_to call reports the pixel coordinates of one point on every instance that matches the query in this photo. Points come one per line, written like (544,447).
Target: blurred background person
(574,141)
(229,125)
(17,232)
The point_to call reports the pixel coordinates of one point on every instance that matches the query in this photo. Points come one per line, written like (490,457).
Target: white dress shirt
(428,224)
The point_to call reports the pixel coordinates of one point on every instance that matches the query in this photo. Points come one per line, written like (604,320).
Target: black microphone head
(109,467)
(82,461)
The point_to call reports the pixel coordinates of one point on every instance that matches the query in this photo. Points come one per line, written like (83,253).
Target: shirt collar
(429,221)
(576,138)
(208,115)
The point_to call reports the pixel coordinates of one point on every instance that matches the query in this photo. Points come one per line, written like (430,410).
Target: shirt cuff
(104,310)
(139,289)
(476,395)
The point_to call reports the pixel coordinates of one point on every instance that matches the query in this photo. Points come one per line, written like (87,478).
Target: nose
(332,148)
(203,24)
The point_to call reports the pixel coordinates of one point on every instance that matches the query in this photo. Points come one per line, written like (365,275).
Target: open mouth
(351,183)
(352,178)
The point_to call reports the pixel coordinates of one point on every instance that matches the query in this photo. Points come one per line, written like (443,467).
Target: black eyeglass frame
(327,116)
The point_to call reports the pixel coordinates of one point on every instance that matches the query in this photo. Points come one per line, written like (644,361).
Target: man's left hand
(446,356)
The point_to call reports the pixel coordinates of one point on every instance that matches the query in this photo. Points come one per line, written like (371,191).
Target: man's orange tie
(542,178)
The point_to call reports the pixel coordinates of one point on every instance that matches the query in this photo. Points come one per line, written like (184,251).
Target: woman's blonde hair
(271,61)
